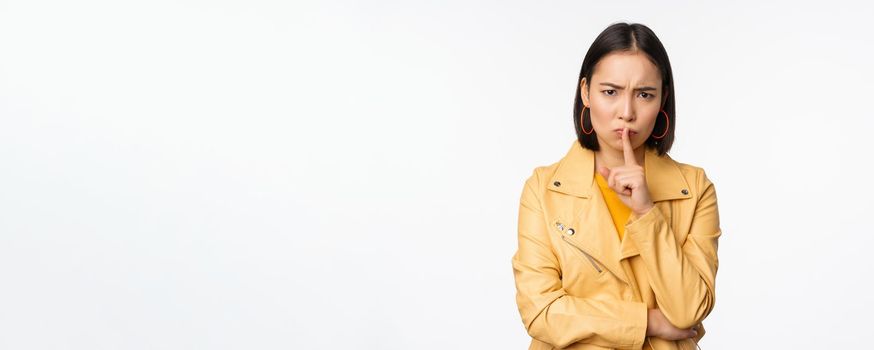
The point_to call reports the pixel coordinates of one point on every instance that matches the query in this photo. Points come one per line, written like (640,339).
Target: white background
(326,175)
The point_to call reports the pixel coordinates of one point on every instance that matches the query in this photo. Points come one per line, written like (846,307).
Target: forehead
(625,67)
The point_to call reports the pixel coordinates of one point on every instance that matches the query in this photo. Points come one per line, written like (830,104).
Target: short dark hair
(628,37)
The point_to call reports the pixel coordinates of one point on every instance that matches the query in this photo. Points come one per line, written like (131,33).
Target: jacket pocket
(588,257)
(566,231)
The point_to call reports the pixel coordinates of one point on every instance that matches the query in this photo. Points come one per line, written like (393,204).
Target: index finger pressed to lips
(627,148)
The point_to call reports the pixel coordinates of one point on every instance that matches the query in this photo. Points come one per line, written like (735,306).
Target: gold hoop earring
(582,127)
(667,125)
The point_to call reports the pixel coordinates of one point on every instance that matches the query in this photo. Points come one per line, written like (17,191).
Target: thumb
(604,171)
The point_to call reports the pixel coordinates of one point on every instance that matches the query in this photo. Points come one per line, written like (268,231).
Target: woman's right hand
(657,325)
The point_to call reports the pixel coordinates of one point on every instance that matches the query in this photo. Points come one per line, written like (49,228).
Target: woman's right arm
(548,312)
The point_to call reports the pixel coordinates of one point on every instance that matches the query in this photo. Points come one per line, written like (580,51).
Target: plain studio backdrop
(326,175)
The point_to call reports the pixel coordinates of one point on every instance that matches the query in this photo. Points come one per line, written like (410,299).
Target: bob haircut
(628,37)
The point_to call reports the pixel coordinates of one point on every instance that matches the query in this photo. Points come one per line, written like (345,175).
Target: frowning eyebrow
(617,87)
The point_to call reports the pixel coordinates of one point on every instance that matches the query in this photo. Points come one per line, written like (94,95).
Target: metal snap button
(570,231)
(684,191)
(560,226)
(556,184)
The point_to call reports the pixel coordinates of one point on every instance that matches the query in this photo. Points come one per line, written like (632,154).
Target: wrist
(644,211)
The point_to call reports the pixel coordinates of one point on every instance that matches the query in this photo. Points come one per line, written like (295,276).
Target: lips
(630,132)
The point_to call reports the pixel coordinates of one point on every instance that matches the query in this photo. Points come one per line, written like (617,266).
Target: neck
(610,158)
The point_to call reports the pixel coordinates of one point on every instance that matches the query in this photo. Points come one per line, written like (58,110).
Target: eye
(610,92)
(646,95)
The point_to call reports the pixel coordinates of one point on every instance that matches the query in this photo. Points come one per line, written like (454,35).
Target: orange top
(618,210)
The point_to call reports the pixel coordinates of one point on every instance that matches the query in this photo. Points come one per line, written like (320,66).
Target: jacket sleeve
(681,276)
(551,315)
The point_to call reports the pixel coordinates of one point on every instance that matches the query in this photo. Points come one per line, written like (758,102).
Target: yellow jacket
(579,287)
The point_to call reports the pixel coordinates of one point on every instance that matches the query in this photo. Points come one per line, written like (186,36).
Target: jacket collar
(576,173)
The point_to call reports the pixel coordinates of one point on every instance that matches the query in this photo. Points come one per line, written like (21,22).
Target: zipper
(589,257)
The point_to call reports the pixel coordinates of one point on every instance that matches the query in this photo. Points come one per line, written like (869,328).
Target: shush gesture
(629,180)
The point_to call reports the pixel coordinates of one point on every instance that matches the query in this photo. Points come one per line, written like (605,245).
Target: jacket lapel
(597,234)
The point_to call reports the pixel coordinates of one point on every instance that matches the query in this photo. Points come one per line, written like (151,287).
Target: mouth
(630,132)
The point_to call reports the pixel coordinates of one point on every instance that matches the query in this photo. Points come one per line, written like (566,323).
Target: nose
(627,113)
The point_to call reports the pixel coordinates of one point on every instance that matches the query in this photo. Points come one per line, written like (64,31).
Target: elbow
(539,328)
(557,339)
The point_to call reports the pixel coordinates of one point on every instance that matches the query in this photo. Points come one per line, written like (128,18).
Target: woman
(617,241)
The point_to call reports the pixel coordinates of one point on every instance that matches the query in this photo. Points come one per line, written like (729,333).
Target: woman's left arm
(682,276)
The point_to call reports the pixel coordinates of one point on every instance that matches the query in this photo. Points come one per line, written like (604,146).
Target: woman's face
(625,91)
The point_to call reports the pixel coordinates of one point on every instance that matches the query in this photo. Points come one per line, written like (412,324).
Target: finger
(627,149)
(621,189)
(616,181)
(604,171)
(692,331)
(625,184)
(611,181)
(679,334)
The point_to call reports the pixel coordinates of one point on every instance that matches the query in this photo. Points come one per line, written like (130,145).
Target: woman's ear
(584,92)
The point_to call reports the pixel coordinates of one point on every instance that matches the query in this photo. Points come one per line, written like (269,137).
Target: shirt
(618,210)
